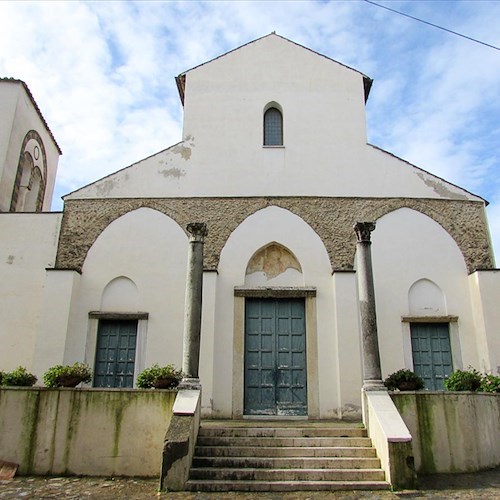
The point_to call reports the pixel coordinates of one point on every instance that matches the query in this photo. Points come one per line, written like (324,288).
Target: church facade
(274,160)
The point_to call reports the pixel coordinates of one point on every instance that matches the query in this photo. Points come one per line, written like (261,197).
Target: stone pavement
(483,485)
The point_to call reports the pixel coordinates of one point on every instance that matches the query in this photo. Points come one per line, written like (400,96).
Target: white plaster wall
(274,224)
(485,292)
(21,117)
(348,344)
(408,246)
(27,246)
(8,98)
(222,154)
(150,249)
(60,296)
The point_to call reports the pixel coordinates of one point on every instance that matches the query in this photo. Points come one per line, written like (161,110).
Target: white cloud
(103,75)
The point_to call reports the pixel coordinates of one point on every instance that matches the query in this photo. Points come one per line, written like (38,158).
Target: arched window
(273,127)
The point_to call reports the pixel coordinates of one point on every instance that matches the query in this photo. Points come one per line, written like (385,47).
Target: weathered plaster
(331,218)
(272,260)
(174,172)
(439,187)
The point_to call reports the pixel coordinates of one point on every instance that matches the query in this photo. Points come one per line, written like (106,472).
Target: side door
(431,351)
(115,353)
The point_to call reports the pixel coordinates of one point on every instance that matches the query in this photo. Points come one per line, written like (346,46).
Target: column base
(373,385)
(189,384)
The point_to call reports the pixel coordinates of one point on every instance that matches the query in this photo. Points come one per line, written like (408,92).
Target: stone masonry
(331,218)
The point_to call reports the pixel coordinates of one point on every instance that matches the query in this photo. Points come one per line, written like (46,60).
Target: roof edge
(119,170)
(181,78)
(35,105)
(486,202)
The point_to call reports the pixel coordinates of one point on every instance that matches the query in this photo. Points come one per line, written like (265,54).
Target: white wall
(222,154)
(408,246)
(27,246)
(8,98)
(485,293)
(147,250)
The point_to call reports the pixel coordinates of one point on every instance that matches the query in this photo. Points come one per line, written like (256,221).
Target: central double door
(275,357)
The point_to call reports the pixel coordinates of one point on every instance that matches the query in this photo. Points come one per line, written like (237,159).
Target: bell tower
(29,154)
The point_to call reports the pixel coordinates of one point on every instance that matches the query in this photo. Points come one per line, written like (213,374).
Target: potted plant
(68,375)
(404,380)
(159,377)
(20,377)
(464,380)
(490,383)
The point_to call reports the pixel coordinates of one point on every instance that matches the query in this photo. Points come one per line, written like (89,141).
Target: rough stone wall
(331,218)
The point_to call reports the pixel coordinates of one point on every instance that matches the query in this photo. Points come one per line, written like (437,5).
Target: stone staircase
(253,455)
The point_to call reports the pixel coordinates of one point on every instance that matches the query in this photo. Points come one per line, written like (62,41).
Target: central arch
(275,250)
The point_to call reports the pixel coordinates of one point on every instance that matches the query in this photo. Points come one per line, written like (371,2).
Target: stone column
(192,323)
(372,373)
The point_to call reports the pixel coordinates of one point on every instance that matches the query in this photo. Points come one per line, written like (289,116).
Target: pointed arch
(272,264)
(31,177)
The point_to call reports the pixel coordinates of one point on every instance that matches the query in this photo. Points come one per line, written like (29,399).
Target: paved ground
(484,485)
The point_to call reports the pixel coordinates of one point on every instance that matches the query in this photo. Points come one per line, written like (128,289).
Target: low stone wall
(97,432)
(452,431)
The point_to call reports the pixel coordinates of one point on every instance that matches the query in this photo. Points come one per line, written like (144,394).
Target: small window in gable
(273,127)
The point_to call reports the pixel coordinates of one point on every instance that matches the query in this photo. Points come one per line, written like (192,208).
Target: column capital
(197,231)
(363,231)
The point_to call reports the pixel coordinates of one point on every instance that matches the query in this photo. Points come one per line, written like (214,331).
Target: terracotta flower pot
(165,383)
(408,386)
(69,381)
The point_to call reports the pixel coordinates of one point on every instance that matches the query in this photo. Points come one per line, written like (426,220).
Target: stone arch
(272,226)
(102,222)
(461,233)
(32,153)
(425,217)
(425,298)
(332,219)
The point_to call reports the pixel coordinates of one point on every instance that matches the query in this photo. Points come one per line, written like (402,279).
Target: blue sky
(103,76)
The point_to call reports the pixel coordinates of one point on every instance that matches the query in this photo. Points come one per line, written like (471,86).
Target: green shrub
(490,383)
(404,380)
(159,377)
(463,380)
(67,375)
(1,377)
(20,377)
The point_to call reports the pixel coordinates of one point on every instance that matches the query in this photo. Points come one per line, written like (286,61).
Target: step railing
(180,440)
(390,437)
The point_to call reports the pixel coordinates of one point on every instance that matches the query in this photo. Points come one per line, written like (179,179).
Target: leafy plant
(1,377)
(404,380)
(490,383)
(159,377)
(67,375)
(463,380)
(20,377)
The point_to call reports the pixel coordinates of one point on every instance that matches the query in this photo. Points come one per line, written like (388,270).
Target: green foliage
(404,380)
(490,383)
(20,377)
(463,380)
(164,377)
(67,375)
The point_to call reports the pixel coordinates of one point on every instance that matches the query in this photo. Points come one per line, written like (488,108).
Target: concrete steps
(284,456)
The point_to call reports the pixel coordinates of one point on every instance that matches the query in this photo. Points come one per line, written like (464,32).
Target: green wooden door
(275,357)
(431,349)
(115,353)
